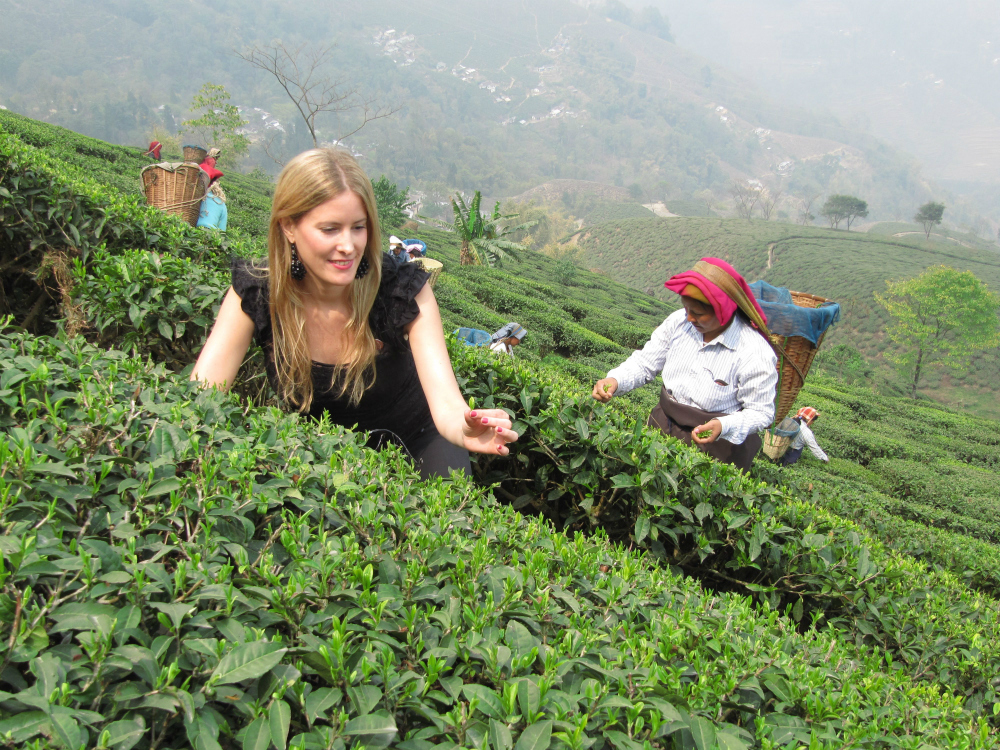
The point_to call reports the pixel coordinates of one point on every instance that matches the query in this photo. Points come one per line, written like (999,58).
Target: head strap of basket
(723,288)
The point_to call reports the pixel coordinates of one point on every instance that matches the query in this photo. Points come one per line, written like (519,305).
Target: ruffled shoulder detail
(396,305)
(250,283)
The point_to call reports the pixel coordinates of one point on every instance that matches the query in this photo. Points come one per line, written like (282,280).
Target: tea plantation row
(182,569)
(190,490)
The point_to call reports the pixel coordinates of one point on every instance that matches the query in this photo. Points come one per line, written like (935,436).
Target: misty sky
(923,74)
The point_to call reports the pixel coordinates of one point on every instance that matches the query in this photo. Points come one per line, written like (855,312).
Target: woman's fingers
(488,418)
(489,431)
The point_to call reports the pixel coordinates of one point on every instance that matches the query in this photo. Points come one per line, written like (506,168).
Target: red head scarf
(208,166)
(721,303)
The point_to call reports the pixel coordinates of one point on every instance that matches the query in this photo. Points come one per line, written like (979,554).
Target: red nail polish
(472,414)
(499,430)
(486,420)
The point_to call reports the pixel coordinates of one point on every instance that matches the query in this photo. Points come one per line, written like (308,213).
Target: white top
(503,347)
(806,439)
(734,373)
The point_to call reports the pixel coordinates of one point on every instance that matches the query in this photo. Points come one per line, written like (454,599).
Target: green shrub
(180,570)
(159,305)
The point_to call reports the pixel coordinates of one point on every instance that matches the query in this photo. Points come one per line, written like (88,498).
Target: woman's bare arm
(480,431)
(223,353)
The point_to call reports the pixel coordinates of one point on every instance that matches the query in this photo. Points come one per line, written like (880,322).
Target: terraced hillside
(845,266)
(187,568)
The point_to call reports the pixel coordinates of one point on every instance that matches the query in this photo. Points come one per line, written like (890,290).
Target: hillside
(184,567)
(493,96)
(921,75)
(848,267)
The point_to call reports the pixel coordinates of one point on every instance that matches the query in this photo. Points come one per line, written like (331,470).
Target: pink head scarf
(721,303)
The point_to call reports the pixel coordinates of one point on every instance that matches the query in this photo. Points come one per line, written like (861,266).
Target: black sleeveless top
(395,401)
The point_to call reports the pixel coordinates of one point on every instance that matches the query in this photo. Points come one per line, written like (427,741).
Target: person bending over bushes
(718,366)
(504,340)
(345,330)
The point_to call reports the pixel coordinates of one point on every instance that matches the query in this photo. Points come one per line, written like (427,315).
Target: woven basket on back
(179,191)
(775,445)
(433,267)
(195,154)
(799,350)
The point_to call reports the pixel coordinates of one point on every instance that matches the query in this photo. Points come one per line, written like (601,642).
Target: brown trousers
(678,420)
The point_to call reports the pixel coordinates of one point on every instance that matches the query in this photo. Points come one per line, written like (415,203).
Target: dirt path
(950,239)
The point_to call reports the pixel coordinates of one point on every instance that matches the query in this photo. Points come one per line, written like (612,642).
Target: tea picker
(718,366)
(804,438)
(504,340)
(214,213)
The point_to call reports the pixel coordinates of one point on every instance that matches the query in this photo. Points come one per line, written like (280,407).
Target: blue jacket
(214,213)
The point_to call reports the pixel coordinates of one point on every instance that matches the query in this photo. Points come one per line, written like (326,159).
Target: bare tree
(299,71)
(768,202)
(805,213)
(745,195)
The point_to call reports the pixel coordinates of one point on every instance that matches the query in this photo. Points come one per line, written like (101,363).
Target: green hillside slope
(848,267)
(183,567)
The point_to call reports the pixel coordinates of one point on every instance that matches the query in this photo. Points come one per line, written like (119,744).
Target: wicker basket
(195,154)
(798,350)
(433,267)
(775,445)
(178,191)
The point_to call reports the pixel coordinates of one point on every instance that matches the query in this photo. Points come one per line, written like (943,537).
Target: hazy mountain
(498,96)
(923,74)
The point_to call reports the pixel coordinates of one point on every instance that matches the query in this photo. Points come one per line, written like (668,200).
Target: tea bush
(158,305)
(136,497)
(180,569)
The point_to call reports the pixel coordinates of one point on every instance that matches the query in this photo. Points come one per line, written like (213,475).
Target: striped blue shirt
(735,373)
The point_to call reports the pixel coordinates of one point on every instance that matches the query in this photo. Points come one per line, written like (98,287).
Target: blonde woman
(345,331)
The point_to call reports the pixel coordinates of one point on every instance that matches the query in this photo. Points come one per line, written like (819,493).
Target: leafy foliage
(392,203)
(218,122)
(840,208)
(221,577)
(484,238)
(940,317)
(929,215)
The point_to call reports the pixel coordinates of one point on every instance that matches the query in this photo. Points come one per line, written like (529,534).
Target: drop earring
(363,267)
(296,269)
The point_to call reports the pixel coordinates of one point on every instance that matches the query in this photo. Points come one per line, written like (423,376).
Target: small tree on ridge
(940,317)
(840,208)
(929,215)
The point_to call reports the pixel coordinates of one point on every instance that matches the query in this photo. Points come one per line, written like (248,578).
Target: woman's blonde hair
(308,180)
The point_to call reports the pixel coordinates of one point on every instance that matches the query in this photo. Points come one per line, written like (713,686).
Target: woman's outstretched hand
(604,389)
(488,431)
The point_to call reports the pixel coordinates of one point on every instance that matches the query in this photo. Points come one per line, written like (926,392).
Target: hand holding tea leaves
(707,433)
(604,389)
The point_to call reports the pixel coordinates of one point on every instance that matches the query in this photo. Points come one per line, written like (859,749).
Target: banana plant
(484,238)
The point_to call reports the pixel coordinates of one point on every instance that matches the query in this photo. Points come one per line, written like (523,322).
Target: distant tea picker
(718,365)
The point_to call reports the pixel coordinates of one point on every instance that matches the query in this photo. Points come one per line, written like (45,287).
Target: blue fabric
(785,318)
(400,257)
(408,245)
(214,214)
(473,336)
(791,457)
(789,428)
